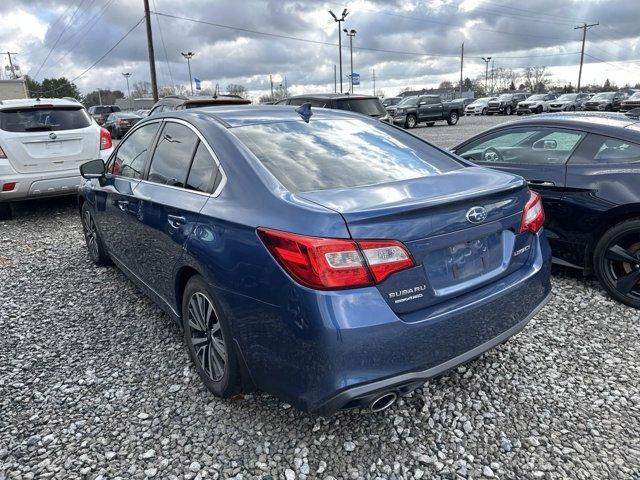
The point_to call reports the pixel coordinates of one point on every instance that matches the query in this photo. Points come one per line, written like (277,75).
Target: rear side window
(367,106)
(41,119)
(172,156)
(612,150)
(204,171)
(326,154)
(132,153)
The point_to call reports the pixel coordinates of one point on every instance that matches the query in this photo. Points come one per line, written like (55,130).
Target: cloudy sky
(407,42)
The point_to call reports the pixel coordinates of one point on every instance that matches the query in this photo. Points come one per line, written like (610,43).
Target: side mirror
(545,145)
(93,169)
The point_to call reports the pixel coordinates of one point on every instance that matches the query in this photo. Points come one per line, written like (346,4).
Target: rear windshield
(367,106)
(43,119)
(346,153)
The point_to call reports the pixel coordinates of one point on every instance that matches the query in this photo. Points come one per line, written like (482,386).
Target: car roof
(332,95)
(241,115)
(31,102)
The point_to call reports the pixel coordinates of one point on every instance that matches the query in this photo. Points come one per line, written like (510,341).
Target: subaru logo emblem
(477,214)
(53,136)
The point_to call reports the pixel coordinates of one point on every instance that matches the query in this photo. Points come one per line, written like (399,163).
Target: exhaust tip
(383,402)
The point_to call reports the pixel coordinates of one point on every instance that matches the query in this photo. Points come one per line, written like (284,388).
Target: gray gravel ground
(95,383)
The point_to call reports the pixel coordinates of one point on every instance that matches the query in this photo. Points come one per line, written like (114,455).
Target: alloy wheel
(411,121)
(206,336)
(622,265)
(90,234)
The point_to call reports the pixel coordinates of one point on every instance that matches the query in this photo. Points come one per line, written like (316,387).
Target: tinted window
(524,146)
(298,101)
(203,170)
(172,156)
(44,119)
(612,150)
(325,154)
(132,153)
(367,106)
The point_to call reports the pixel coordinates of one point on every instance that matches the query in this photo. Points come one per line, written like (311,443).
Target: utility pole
(127,75)
(486,73)
(351,33)
(461,65)
(584,38)
(335,79)
(11,66)
(99,97)
(189,56)
(373,74)
(286,87)
(340,20)
(152,56)
(271,82)
(492,73)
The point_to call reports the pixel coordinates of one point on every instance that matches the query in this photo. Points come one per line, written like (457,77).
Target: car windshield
(635,96)
(536,97)
(367,106)
(568,97)
(504,98)
(44,118)
(390,101)
(603,96)
(484,99)
(344,153)
(409,102)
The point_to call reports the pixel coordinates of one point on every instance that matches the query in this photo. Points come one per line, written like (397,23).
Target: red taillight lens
(9,186)
(532,214)
(105,139)
(333,263)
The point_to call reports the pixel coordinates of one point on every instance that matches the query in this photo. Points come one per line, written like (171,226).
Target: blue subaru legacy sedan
(326,258)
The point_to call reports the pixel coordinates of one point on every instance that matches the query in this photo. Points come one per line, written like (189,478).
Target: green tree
(53,88)
(108,97)
(33,87)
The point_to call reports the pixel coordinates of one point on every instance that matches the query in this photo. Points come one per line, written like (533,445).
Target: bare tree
(536,79)
(235,89)
(505,78)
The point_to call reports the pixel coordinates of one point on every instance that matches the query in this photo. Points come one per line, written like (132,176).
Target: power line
(530,11)
(164,47)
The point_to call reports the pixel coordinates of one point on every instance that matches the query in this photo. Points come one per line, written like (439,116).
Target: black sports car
(586,167)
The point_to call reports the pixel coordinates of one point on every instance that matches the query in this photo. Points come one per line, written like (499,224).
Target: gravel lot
(95,383)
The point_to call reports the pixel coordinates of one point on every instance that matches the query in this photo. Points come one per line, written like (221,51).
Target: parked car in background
(586,168)
(101,112)
(181,102)
(568,102)
(302,254)
(463,102)
(368,105)
(536,103)
(143,112)
(479,106)
(391,101)
(425,108)
(119,123)
(42,143)
(630,103)
(604,102)
(505,104)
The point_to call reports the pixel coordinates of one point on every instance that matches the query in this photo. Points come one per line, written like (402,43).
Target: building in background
(137,103)
(14,88)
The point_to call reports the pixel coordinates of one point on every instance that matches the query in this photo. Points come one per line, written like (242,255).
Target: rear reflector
(334,263)
(9,186)
(105,139)
(2,154)
(532,214)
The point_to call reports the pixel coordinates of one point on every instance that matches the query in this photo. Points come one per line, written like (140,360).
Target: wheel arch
(183,275)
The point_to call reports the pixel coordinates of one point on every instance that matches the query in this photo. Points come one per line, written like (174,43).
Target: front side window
(203,175)
(172,155)
(524,146)
(345,153)
(131,156)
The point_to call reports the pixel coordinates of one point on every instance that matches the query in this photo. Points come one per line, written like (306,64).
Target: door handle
(123,205)
(541,183)
(176,221)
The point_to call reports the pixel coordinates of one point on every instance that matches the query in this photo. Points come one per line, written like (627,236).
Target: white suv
(43,142)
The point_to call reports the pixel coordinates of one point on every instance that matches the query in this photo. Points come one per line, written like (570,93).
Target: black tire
(411,121)
(5,211)
(616,261)
(608,108)
(572,108)
(212,354)
(508,110)
(484,111)
(95,247)
(453,117)
(430,124)
(539,110)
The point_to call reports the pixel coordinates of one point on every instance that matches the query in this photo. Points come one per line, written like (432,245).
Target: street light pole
(351,33)
(189,56)
(340,20)
(127,75)
(486,73)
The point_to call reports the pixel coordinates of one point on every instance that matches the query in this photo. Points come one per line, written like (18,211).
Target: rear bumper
(325,351)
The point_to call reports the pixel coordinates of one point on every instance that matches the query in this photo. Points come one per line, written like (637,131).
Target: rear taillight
(9,186)
(105,139)
(532,214)
(333,263)
(2,154)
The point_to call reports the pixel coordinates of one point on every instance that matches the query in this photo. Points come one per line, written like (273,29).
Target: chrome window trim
(162,121)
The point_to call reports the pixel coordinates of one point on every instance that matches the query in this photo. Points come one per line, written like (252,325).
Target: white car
(479,106)
(43,142)
(536,103)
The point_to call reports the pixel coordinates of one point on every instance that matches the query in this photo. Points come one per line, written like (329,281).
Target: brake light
(9,186)
(333,263)
(532,214)
(105,139)
(2,154)
(120,121)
